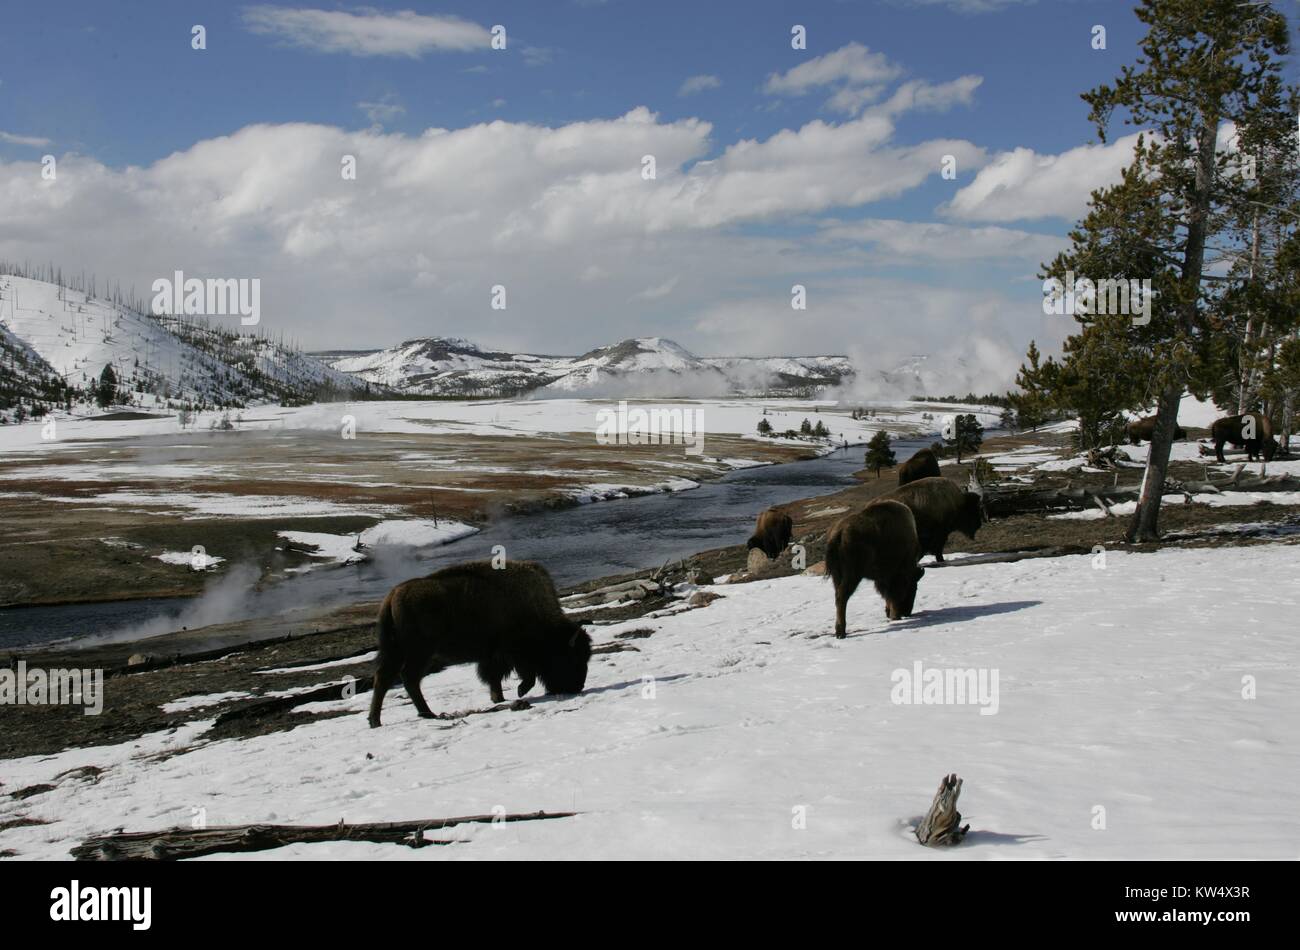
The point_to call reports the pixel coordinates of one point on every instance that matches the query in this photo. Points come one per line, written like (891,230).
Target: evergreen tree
(879,454)
(764,427)
(106,392)
(967,435)
(1203,63)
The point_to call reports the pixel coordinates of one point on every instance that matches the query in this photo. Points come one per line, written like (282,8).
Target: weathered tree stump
(942,823)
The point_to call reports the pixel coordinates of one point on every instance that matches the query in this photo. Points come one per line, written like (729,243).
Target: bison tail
(834,562)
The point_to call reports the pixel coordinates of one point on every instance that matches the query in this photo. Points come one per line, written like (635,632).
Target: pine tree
(1203,63)
(967,435)
(879,454)
(764,427)
(106,392)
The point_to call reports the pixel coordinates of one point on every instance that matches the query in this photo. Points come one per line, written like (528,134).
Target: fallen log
(180,843)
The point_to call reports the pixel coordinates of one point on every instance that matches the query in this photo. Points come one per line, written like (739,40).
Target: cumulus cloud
(368,32)
(852,64)
(700,83)
(1024,185)
(560,216)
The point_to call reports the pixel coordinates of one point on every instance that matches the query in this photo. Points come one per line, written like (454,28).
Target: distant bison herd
(509,617)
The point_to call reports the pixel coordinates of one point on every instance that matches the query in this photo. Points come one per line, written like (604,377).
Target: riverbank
(227,662)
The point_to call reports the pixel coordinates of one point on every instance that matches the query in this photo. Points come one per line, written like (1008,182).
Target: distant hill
(645,366)
(49,331)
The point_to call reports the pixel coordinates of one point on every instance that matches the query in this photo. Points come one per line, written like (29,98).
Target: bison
(503,619)
(924,464)
(1235,429)
(1141,430)
(772,533)
(879,544)
(940,507)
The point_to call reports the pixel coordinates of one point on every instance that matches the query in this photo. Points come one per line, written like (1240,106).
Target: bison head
(564,670)
(902,598)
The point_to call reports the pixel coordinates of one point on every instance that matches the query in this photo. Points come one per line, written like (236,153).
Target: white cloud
(368,32)
(932,241)
(33,141)
(385,110)
(853,65)
(659,290)
(559,215)
(1023,185)
(696,84)
(932,97)
(967,6)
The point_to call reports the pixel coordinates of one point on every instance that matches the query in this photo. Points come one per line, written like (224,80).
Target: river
(575,544)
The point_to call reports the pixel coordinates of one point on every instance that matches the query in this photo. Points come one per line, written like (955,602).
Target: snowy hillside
(157,358)
(743,730)
(451,367)
(647,366)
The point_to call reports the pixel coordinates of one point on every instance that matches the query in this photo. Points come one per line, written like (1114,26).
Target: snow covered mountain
(646,366)
(74,335)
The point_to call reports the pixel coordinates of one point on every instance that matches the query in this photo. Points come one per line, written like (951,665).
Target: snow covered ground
(504,417)
(1145,709)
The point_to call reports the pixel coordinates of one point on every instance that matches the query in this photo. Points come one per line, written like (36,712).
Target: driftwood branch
(180,843)
(942,823)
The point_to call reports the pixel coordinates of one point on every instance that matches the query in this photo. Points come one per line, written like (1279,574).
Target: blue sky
(113,89)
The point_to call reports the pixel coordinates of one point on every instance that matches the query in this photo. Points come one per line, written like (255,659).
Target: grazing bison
(924,464)
(940,507)
(772,533)
(1252,431)
(878,544)
(1141,430)
(503,620)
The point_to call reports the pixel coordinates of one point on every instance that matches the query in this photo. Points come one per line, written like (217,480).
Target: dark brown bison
(1141,430)
(1252,431)
(772,533)
(877,544)
(502,619)
(940,507)
(924,464)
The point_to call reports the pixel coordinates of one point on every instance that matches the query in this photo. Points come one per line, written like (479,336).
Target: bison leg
(527,681)
(1218,450)
(413,671)
(385,672)
(843,591)
(490,672)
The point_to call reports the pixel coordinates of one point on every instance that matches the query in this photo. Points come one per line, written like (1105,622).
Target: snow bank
(1119,689)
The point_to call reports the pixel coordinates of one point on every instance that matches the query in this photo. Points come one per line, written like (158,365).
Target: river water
(575,544)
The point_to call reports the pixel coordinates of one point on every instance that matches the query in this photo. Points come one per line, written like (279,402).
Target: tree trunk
(1145,524)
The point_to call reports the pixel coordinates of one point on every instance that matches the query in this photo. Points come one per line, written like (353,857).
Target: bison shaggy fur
(924,464)
(502,619)
(1232,430)
(878,544)
(772,533)
(1141,430)
(940,507)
